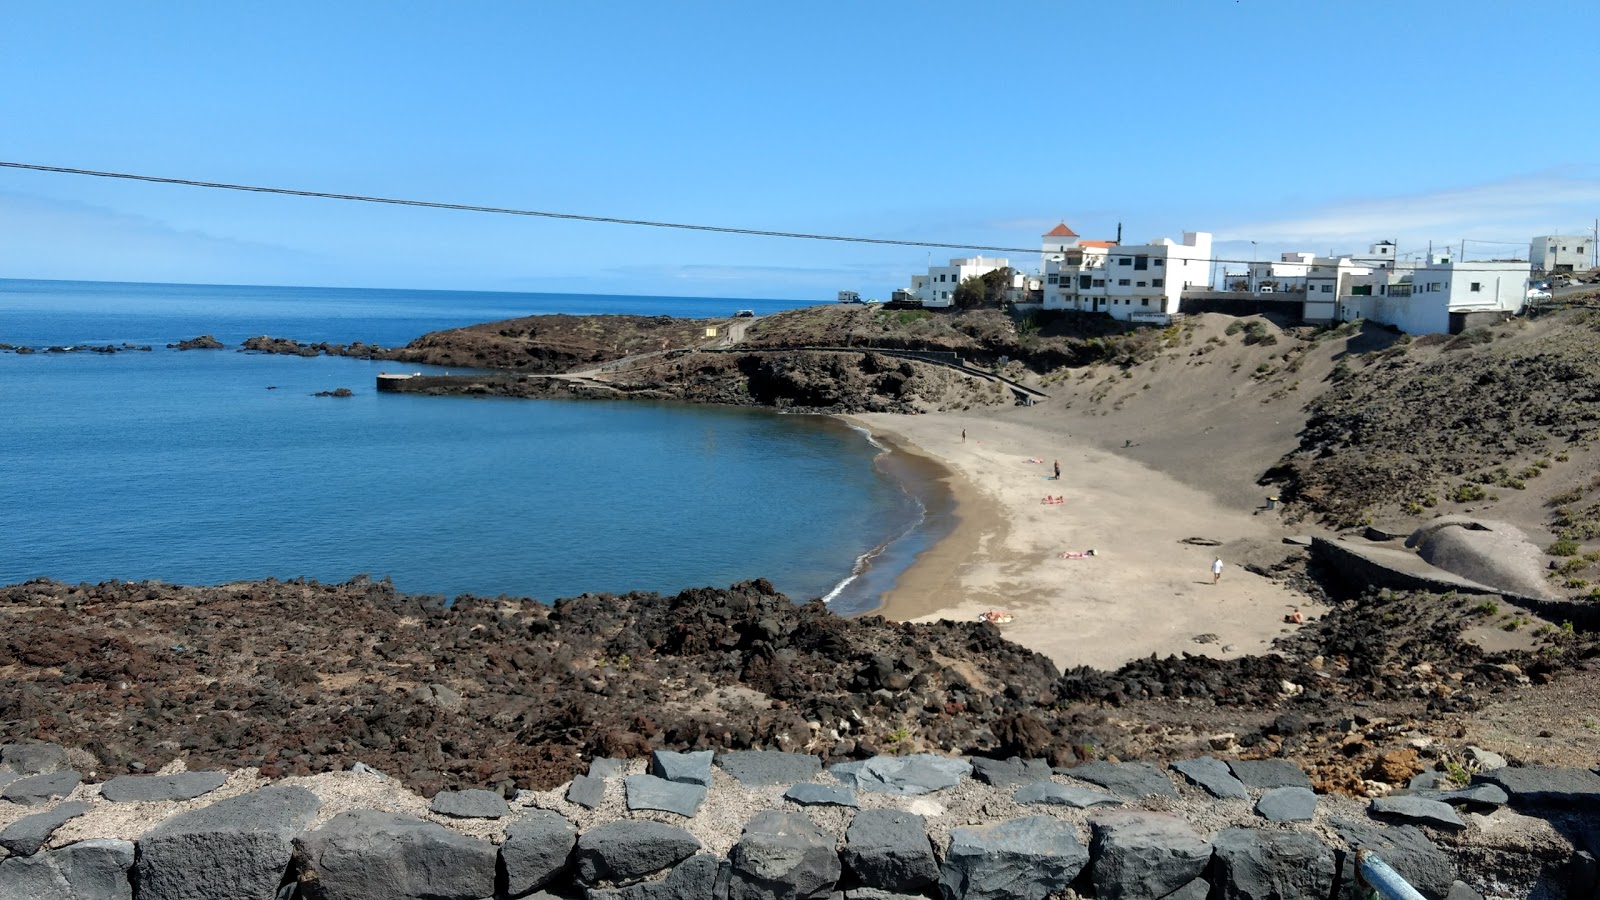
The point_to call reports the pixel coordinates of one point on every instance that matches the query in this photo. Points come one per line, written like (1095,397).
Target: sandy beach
(1144,590)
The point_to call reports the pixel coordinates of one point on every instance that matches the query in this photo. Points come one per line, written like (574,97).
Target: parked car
(1536,294)
(745,314)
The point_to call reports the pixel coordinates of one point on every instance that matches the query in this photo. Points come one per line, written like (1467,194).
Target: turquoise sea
(203,467)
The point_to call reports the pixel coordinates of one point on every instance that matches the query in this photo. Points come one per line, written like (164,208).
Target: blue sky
(1298,125)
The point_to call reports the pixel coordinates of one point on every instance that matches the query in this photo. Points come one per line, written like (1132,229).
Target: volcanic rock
(36,789)
(26,835)
(1052,794)
(369,855)
(1538,786)
(1139,854)
(1416,809)
(1134,780)
(538,847)
(1269,773)
(807,794)
(1251,864)
(475,804)
(650,792)
(587,791)
(890,850)
(1406,849)
(1009,772)
(237,848)
(1020,859)
(1287,804)
(627,850)
(151,788)
(1213,775)
(34,758)
(754,768)
(782,856)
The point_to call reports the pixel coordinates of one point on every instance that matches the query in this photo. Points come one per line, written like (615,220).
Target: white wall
(942,281)
(1156,274)
(1549,251)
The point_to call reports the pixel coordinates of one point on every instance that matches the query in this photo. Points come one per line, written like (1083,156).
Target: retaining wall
(1361,566)
(756,824)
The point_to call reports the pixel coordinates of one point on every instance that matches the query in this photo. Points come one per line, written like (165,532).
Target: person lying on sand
(1077,554)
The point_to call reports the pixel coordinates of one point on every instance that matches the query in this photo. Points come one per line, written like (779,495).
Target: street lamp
(1252,279)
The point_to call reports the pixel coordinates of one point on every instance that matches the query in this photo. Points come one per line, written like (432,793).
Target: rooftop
(1061,231)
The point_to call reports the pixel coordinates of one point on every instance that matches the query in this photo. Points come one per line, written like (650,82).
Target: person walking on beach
(1058,470)
(963,435)
(1216,570)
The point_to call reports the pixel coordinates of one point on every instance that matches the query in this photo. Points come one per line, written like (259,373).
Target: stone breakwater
(766,824)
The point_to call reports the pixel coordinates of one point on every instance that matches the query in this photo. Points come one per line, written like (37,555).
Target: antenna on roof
(1119,233)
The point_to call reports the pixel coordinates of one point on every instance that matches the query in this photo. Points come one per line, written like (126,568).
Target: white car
(1536,294)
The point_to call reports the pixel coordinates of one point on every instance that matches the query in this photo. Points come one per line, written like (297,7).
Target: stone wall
(758,825)
(1366,565)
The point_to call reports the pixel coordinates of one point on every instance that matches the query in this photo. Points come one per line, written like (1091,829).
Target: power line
(575,217)
(464,207)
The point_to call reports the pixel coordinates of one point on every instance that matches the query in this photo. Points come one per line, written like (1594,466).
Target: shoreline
(935,569)
(1145,591)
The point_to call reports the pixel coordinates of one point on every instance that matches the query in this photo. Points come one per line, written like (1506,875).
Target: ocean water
(203,467)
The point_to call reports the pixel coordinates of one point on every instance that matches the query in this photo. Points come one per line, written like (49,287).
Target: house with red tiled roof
(1056,241)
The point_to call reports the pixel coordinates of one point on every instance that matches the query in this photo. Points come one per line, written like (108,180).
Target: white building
(938,287)
(1129,281)
(1285,275)
(1424,298)
(1553,253)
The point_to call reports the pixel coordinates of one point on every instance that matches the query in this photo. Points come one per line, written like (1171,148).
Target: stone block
(370,855)
(650,792)
(1213,775)
(587,791)
(1252,864)
(25,836)
(1051,794)
(538,848)
(889,849)
(1142,854)
(1133,780)
(782,856)
(628,850)
(34,758)
(808,794)
(1544,786)
(754,768)
(36,790)
(152,788)
(1269,773)
(683,768)
(1020,859)
(237,848)
(1416,811)
(1287,804)
(473,804)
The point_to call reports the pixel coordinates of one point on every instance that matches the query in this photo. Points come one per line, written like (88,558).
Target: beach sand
(1143,592)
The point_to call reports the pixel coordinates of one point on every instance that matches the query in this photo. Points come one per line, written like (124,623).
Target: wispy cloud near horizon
(1510,210)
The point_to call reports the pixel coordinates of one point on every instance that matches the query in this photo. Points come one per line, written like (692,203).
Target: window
(1160,262)
(1124,261)
(1158,282)
(1099,282)
(1140,284)
(1122,282)
(1477,286)
(1141,263)
(1327,289)
(1051,280)
(1084,281)
(1144,302)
